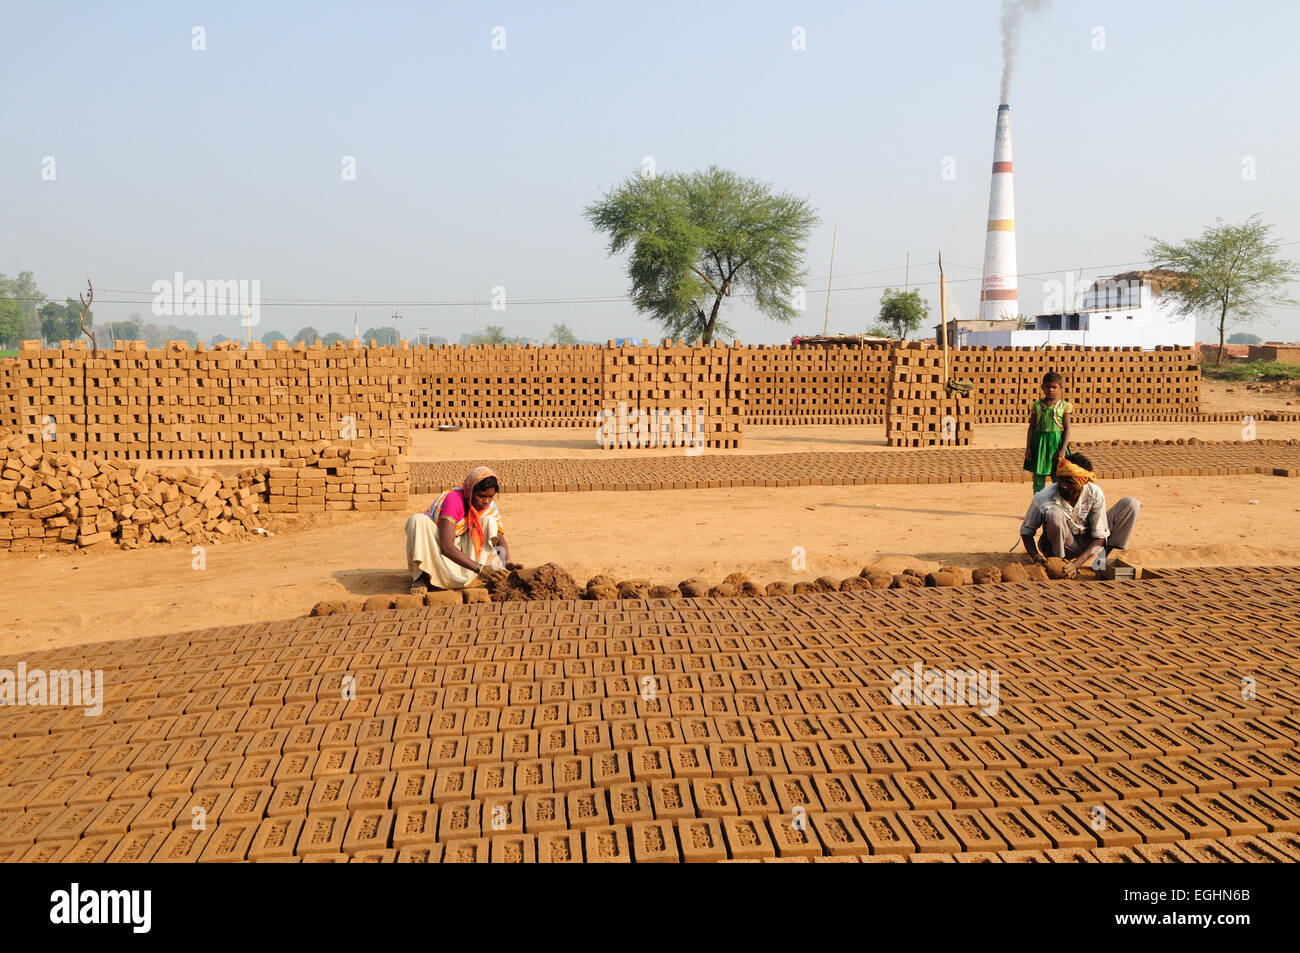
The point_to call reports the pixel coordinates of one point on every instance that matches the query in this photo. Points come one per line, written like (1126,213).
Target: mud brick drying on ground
(1157,720)
(942,465)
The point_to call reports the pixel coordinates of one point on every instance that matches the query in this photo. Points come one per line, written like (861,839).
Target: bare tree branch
(85,310)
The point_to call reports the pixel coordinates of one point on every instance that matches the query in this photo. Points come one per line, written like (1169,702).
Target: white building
(1127,310)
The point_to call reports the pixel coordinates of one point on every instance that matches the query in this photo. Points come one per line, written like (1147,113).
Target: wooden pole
(826,322)
(943,319)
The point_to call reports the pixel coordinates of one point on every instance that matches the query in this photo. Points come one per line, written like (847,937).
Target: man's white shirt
(1086,516)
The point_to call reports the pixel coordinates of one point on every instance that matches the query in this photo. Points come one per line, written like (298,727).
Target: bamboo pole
(826,321)
(943,320)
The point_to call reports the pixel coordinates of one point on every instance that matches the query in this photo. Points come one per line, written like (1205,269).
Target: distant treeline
(27,314)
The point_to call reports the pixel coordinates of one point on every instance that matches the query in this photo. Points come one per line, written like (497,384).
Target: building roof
(1159,279)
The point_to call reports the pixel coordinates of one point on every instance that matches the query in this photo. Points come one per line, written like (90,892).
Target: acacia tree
(699,238)
(1231,270)
(561,334)
(495,334)
(901,313)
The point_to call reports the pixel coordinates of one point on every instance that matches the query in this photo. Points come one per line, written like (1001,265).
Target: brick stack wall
(1105,385)
(230,403)
(497,386)
(1282,353)
(665,382)
(813,385)
(219,403)
(921,412)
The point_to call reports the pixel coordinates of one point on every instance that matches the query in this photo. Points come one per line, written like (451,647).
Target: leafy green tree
(307,335)
(492,334)
(28,298)
(386,337)
(270,337)
(62,322)
(1231,272)
(128,330)
(52,319)
(332,338)
(11,323)
(1242,337)
(561,334)
(901,312)
(699,238)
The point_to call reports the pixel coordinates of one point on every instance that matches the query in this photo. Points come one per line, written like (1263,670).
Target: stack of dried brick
(674,395)
(325,476)
(52,501)
(921,411)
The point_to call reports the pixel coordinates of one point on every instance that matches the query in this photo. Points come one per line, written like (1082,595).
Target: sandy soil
(1221,397)
(664,536)
(553,443)
(1216,397)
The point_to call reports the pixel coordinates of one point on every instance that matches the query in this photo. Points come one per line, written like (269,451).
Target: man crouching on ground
(1073,517)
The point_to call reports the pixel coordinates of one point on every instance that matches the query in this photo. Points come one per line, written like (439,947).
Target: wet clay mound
(547,581)
(916,466)
(653,731)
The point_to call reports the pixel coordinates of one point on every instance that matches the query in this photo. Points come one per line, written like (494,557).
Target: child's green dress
(1045,445)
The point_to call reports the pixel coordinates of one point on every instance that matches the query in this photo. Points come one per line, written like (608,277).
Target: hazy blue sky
(473,165)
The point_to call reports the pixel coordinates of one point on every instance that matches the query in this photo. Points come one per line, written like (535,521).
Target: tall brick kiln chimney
(998,296)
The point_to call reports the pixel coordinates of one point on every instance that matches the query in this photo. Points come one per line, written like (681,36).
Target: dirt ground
(664,536)
(432,445)
(1216,397)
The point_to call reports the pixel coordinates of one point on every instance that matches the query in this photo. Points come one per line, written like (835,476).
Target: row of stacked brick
(55,501)
(227,402)
(219,402)
(674,395)
(923,411)
(815,385)
(500,386)
(1103,384)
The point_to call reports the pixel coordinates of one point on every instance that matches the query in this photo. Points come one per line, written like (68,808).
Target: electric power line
(150,297)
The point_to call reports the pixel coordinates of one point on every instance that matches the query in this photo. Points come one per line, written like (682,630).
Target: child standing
(1049,430)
